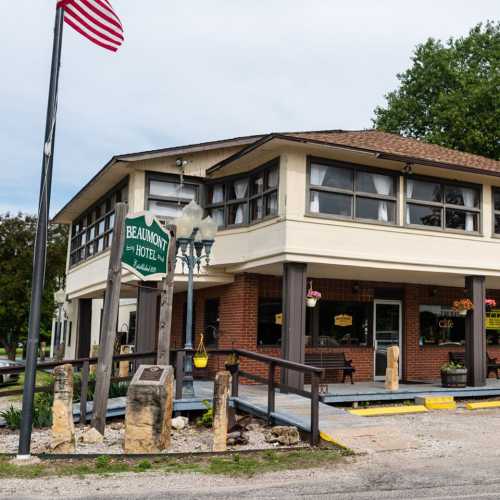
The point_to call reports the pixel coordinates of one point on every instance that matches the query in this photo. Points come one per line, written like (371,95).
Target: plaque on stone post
(149,409)
(63,428)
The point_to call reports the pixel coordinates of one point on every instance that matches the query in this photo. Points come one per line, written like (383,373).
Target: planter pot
(200,361)
(311,301)
(454,378)
(232,368)
(463,312)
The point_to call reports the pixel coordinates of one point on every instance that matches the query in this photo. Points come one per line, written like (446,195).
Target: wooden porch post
(475,338)
(294,321)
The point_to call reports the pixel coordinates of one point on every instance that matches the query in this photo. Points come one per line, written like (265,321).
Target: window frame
(172,178)
(249,198)
(443,205)
(108,228)
(356,167)
(494,212)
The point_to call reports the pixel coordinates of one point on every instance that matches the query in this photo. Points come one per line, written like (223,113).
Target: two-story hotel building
(389,229)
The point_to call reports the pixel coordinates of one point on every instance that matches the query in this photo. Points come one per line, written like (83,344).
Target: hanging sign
(343,320)
(493,319)
(278,319)
(145,251)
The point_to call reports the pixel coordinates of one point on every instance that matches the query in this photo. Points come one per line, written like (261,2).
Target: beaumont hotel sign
(145,251)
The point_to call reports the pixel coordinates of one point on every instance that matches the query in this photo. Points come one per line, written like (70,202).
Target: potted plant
(490,304)
(232,363)
(453,374)
(462,306)
(312,297)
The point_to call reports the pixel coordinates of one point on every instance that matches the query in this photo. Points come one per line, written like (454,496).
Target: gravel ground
(188,440)
(454,454)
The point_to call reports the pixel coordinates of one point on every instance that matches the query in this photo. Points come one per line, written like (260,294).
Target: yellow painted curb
(437,402)
(482,405)
(326,437)
(388,410)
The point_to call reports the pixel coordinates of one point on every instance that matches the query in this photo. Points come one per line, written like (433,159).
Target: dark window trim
(227,180)
(443,205)
(354,194)
(105,234)
(494,212)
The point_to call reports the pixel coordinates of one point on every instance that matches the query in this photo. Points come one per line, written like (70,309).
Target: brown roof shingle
(393,144)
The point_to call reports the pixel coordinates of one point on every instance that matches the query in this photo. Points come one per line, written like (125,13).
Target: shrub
(12,417)
(207,419)
(42,414)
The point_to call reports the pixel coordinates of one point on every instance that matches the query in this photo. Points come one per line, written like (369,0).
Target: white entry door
(387,326)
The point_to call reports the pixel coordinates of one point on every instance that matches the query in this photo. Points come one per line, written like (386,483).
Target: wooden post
(166,301)
(83,392)
(109,320)
(314,409)
(270,391)
(220,405)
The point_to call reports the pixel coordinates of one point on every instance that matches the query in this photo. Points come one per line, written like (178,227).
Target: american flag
(95,20)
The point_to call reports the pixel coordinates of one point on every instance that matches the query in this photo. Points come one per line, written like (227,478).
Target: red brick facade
(238,308)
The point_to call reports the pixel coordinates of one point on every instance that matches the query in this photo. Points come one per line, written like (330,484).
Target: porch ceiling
(315,270)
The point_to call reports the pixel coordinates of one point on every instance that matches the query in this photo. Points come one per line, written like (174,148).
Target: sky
(196,70)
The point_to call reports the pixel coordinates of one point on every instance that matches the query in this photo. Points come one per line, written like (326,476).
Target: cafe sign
(343,320)
(493,320)
(145,251)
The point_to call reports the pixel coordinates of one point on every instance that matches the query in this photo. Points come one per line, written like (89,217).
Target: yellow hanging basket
(200,358)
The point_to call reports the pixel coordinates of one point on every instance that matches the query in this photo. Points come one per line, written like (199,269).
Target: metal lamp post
(59,298)
(195,238)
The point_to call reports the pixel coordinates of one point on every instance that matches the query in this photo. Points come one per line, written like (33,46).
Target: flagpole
(39,256)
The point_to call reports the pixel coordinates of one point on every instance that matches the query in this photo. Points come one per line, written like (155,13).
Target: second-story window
(443,205)
(352,192)
(244,199)
(167,196)
(496,210)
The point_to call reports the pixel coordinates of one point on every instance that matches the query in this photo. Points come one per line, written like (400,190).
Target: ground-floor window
(441,325)
(270,318)
(211,322)
(339,323)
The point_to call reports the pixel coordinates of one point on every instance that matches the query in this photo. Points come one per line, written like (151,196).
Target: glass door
(387,332)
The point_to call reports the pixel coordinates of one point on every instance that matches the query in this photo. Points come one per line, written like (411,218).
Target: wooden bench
(492,366)
(332,361)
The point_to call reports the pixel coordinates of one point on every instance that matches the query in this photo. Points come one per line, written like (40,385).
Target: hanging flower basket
(490,304)
(200,358)
(462,306)
(312,297)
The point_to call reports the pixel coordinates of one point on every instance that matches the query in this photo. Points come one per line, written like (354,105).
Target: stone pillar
(222,384)
(392,370)
(294,320)
(124,365)
(149,410)
(63,427)
(475,335)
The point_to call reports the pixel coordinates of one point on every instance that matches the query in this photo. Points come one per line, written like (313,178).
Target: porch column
(146,320)
(475,338)
(294,320)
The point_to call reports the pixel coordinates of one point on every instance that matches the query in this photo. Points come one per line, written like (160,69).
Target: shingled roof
(396,145)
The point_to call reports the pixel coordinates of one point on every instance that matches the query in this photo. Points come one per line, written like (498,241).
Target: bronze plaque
(151,374)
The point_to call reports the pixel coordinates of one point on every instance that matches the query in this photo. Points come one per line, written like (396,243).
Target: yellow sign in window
(493,319)
(343,320)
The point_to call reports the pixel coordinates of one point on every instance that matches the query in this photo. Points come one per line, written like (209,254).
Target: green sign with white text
(145,251)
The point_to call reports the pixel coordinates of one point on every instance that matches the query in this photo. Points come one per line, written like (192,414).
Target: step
(388,410)
(482,405)
(436,402)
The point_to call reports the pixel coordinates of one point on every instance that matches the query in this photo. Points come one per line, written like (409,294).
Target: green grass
(229,465)
(43,379)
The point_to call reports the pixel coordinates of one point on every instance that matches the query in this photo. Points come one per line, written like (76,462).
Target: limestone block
(178,423)
(91,436)
(124,365)
(63,427)
(222,383)
(283,434)
(149,410)
(392,371)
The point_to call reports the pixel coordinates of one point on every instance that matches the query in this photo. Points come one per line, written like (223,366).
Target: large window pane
(459,219)
(271,203)
(215,194)
(423,190)
(465,196)
(334,177)
(272,178)
(368,208)
(217,215)
(423,215)
(497,224)
(257,208)
(375,183)
(496,199)
(165,208)
(172,190)
(331,203)
(236,213)
(269,325)
(441,325)
(257,184)
(238,189)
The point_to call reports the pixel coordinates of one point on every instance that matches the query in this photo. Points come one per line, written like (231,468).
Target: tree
(17,238)
(451,94)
